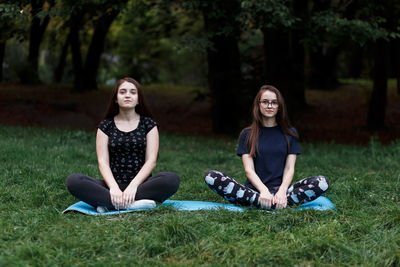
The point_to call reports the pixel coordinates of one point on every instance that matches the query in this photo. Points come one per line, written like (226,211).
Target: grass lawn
(364,231)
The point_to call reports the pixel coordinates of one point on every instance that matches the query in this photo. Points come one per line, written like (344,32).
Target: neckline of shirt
(115,125)
(270,127)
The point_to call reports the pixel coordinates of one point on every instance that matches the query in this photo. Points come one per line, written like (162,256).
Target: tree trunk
(323,59)
(284,57)
(38,27)
(224,75)
(323,68)
(377,104)
(2,50)
(297,96)
(75,23)
(96,49)
(396,58)
(284,66)
(276,55)
(355,61)
(59,70)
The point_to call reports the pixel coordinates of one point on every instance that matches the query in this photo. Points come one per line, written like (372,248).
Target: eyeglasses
(266,103)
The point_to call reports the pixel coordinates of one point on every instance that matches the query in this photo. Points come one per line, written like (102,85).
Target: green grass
(364,231)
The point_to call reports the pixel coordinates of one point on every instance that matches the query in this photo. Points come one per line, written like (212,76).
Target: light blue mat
(321,203)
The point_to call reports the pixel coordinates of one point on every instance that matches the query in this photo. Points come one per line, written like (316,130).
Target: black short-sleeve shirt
(270,162)
(127,150)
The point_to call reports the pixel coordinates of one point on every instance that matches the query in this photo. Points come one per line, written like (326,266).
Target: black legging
(96,192)
(299,192)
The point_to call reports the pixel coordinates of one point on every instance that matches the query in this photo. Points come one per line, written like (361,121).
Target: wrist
(114,187)
(283,188)
(264,191)
(133,185)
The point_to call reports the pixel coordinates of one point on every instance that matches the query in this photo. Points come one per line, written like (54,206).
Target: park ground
(331,116)
(364,230)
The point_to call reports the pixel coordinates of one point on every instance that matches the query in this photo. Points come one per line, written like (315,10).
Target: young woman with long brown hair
(268,148)
(127,149)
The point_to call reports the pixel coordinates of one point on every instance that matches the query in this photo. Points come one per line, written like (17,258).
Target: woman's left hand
(128,197)
(280,200)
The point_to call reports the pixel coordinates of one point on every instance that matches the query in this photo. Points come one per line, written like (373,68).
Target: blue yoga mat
(321,203)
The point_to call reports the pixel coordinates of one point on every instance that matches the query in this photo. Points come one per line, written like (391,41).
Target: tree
(281,24)
(388,14)
(396,58)
(74,27)
(224,75)
(59,70)
(99,15)
(12,20)
(377,104)
(39,11)
(146,41)
(96,47)
(322,56)
(363,23)
(222,21)
(323,27)
(2,51)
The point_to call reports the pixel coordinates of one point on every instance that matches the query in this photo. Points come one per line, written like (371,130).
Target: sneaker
(143,204)
(101,209)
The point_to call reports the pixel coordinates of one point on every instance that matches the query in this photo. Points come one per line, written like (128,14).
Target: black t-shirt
(127,150)
(270,160)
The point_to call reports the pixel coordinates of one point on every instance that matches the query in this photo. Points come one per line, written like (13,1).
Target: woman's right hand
(265,199)
(116,197)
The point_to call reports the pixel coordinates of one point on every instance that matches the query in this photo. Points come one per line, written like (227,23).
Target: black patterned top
(127,150)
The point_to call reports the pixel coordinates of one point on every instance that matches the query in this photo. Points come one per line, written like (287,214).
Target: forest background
(201,63)
(214,55)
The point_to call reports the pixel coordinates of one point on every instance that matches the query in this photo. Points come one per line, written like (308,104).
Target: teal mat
(321,203)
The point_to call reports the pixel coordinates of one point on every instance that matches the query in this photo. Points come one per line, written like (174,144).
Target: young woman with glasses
(268,148)
(127,149)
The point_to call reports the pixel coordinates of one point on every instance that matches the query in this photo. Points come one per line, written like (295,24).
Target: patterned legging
(302,191)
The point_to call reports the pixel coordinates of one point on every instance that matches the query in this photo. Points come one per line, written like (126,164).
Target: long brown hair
(281,119)
(113,107)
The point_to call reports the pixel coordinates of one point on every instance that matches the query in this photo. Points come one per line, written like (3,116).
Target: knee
(172,180)
(323,183)
(175,180)
(73,182)
(211,176)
